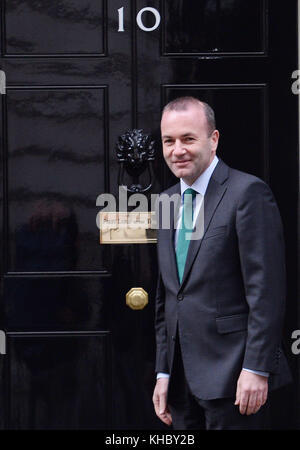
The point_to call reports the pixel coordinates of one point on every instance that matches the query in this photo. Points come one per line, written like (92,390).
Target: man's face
(187,149)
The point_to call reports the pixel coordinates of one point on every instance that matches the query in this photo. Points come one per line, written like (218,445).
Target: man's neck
(200,183)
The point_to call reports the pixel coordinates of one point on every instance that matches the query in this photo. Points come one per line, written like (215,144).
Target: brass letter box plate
(127,228)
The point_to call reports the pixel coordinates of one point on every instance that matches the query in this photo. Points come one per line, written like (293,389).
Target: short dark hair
(182,103)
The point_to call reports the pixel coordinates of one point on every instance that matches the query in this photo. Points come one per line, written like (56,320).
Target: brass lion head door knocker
(135,153)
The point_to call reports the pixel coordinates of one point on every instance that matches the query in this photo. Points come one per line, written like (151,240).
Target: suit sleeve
(160,328)
(262,259)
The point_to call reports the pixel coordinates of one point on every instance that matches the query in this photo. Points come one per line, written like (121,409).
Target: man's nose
(178,148)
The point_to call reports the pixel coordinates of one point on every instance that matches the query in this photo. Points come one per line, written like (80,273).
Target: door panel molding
(66,17)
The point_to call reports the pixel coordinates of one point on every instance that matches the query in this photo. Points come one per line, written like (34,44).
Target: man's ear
(215,139)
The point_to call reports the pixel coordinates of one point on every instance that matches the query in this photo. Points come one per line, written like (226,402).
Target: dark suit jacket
(229,308)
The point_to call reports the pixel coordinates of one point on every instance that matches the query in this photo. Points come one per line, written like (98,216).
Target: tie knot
(190,191)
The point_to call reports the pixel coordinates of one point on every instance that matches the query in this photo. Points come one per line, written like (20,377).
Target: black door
(77,356)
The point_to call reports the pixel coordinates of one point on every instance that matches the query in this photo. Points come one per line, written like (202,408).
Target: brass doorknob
(136,298)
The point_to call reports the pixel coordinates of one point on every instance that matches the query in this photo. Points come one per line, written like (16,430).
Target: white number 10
(139,20)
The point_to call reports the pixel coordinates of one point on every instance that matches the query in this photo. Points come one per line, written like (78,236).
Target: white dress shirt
(200,186)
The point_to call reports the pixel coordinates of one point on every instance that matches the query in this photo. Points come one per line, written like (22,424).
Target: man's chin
(181,173)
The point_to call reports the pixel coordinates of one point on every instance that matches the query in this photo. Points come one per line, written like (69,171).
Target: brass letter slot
(127,228)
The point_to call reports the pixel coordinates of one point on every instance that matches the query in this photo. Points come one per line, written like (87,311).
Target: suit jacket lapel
(170,237)
(214,193)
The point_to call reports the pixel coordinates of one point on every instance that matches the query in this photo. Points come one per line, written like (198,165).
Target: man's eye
(189,139)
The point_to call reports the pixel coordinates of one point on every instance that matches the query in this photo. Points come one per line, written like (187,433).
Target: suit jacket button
(180,297)
(173,338)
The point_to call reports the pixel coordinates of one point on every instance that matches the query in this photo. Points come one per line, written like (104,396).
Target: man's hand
(160,400)
(251,392)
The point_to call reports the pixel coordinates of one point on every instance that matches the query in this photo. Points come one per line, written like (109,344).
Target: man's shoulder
(174,189)
(237,179)
(245,179)
(246,183)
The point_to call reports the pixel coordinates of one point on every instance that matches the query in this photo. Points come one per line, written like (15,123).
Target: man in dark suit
(220,297)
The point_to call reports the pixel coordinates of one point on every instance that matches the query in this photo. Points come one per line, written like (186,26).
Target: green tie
(183,240)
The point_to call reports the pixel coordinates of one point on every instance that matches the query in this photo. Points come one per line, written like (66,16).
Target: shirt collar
(200,185)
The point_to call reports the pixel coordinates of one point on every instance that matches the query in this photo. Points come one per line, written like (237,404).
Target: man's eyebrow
(184,135)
